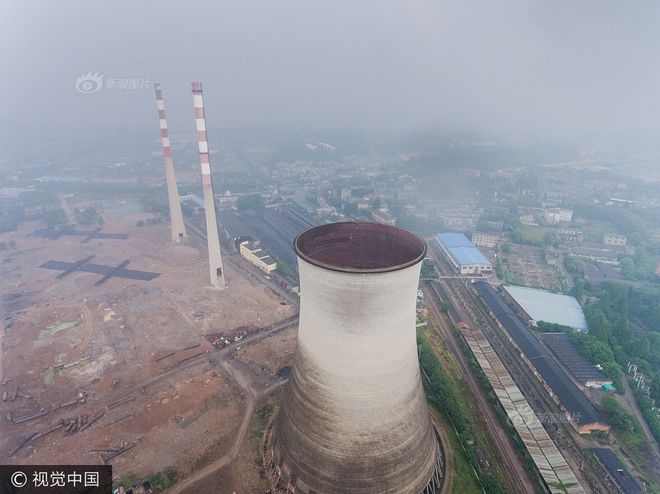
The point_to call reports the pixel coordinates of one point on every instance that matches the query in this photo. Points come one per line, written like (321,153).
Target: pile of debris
(236,334)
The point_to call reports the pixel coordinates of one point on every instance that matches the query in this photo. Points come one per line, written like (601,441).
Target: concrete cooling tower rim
(360,247)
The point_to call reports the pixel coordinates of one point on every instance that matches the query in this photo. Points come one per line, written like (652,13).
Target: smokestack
(178,227)
(354,417)
(215,256)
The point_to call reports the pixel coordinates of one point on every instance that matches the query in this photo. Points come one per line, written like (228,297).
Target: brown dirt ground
(187,419)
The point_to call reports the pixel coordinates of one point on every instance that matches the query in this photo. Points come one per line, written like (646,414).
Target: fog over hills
(535,68)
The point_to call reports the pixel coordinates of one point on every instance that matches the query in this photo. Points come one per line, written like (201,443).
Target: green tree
(506,248)
(549,239)
(12,244)
(517,236)
(285,269)
(86,215)
(570,264)
(578,289)
(252,201)
(620,418)
(627,268)
(54,217)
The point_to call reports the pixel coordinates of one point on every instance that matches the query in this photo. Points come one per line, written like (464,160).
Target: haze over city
(545,69)
(373,247)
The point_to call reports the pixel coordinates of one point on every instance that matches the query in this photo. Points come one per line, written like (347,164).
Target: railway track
(514,470)
(467,303)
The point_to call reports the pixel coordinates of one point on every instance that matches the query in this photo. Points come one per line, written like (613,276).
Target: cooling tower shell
(354,418)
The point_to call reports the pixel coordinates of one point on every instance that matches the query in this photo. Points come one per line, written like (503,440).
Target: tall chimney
(178,227)
(215,256)
(354,418)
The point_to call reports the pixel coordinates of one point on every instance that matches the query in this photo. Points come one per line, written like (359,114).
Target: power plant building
(462,254)
(354,418)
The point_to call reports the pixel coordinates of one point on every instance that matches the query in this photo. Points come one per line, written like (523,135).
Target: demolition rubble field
(134,373)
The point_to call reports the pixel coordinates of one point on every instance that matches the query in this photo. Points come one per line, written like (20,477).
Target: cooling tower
(354,418)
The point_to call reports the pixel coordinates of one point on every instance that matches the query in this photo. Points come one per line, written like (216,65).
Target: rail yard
(466,307)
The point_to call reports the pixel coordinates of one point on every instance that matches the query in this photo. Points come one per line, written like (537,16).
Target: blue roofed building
(462,254)
(304,204)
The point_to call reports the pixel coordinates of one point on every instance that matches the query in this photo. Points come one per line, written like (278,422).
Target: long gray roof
(573,400)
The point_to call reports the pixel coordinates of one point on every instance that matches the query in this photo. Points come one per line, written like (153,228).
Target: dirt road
(251,398)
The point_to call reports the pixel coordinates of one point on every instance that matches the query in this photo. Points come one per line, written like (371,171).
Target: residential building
(557,215)
(484,239)
(614,239)
(570,234)
(384,218)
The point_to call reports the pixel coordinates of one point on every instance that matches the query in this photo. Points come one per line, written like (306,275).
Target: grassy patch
(535,233)
(464,477)
(49,377)
(209,403)
(593,230)
(560,486)
(50,331)
(128,481)
(160,481)
(191,420)
(263,416)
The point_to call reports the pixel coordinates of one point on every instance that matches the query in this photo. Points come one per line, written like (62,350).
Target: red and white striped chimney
(202,141)
(215,256)
(178,227)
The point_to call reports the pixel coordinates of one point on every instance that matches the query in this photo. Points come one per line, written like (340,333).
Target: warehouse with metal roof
(551,465)
(617,470)
(234,229)
(539,305)
(580,412)
(462,254)
(583,369)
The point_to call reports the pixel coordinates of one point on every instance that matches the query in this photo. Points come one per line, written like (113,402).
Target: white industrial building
(258,257)
(557,215)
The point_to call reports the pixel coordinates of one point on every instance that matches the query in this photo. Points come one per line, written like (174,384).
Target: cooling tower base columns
(280,479)
(354,418)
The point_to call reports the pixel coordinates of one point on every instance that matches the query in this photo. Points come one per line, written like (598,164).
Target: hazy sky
(498,66)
